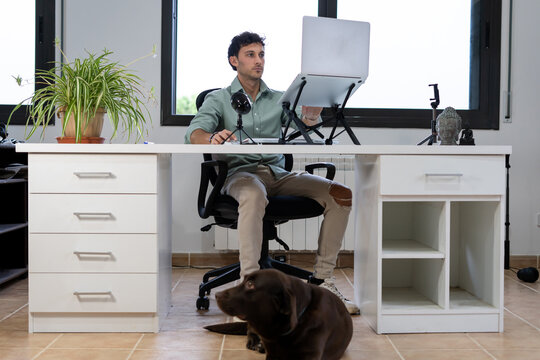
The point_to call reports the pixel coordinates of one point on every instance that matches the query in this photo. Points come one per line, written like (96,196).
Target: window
(455,43)
(27,34)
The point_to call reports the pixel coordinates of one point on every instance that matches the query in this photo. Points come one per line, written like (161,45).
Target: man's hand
(310,115)
(220,136)
(200,136)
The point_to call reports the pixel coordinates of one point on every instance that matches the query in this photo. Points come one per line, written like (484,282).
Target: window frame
(486,51)
(45,19)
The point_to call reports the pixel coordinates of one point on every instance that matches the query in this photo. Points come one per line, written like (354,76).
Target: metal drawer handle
(98,253)
(444,174)
(90,293)
(94,215)
(94,174)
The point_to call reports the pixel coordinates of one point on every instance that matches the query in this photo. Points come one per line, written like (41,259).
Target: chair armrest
(330,169)
(206,204)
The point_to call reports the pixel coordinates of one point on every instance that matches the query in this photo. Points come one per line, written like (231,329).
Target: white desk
(428,223)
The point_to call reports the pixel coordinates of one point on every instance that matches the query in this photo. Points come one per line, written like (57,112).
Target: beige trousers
(251,191)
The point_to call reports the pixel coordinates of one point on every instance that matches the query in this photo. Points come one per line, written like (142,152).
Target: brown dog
(294,320)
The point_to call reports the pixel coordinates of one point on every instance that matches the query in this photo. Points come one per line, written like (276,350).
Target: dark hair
(243,39)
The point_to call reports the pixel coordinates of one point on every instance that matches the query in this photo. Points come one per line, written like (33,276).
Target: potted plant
(81,92)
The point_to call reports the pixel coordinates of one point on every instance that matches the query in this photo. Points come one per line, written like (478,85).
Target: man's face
(250,61)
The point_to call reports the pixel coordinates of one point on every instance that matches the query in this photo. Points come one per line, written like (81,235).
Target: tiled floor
(182,336)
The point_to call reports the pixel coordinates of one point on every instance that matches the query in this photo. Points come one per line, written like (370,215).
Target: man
(252,177)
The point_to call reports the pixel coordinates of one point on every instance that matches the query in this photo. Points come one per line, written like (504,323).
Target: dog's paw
(254,342)
(260,348)
(256,347)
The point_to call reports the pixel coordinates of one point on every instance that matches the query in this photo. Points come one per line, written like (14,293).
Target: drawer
(92,173)
(442,175)
(92,253)
(85,213)
(65,293)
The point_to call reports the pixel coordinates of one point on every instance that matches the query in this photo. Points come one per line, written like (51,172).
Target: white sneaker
(329,285)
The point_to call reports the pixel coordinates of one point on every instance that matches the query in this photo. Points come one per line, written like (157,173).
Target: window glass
(17,36)
(413,44)
(453,43)
(202,42)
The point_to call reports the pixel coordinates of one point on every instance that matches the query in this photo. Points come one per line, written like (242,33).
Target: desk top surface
(266,149)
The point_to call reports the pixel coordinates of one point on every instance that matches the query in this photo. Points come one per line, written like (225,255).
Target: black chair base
(230,273)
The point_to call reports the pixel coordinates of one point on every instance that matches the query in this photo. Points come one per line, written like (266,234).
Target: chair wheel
(203,303)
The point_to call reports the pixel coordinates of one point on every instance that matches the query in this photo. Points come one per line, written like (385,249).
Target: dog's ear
(282,301)
(285,303)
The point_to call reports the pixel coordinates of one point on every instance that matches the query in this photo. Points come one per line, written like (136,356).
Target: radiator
(302,234)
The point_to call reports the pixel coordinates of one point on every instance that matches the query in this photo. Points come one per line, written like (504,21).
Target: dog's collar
(297,319)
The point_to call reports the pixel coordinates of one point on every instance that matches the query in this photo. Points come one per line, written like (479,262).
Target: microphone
(240,103)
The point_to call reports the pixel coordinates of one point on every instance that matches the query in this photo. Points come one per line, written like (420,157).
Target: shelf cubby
(475,260)
(413,229)
(410,285)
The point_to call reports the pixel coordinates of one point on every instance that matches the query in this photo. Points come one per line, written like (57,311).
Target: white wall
(130,28)
(522,132)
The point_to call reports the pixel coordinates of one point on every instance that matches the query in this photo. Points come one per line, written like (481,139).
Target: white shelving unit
(13,217)
(429,255)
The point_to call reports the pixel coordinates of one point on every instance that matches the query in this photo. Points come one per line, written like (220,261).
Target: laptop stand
(303,129)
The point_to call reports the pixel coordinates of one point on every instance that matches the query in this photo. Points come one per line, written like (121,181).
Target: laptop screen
(335,47)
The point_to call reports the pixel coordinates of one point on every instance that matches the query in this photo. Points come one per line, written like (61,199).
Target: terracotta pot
(91,128)
(83,140)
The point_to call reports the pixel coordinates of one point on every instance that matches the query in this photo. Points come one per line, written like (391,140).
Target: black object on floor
(529,274)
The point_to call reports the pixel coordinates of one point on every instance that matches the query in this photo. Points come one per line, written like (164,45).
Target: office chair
(224,209)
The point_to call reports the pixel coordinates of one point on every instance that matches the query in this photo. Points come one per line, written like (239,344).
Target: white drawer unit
(93,253)
(442,175)
(93,173)
(101,293)
(93,213)
(99,242)
(429,247)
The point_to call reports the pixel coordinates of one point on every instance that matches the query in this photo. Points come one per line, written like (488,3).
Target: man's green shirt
(263,121)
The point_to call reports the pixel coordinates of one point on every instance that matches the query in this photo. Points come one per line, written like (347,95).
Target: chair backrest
(200,98)
(207,157)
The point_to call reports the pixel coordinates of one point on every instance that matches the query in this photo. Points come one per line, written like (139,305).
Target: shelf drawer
(93,253)
(65,293)
(85,213)
(442,175)
(92,173)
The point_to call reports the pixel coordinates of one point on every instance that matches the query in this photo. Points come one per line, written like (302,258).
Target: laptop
(335,54)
